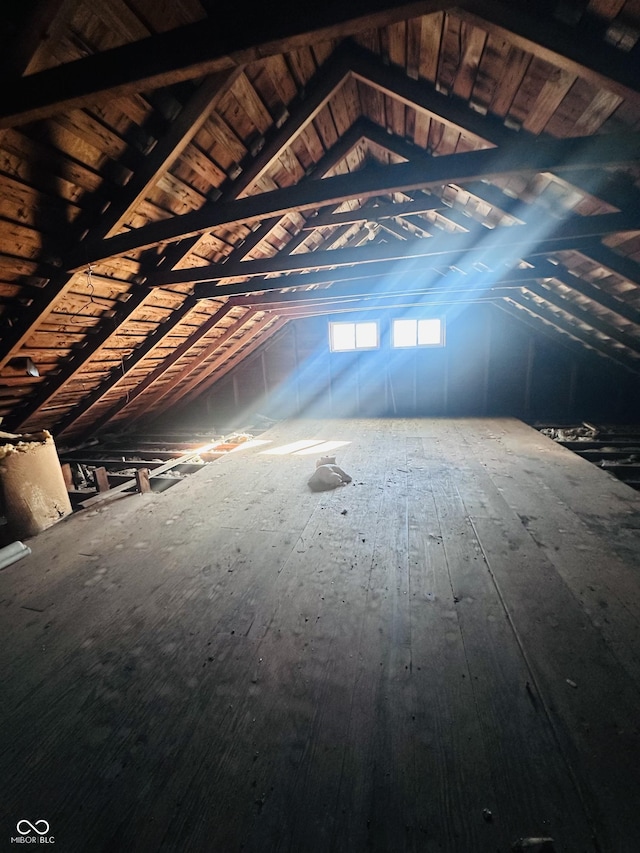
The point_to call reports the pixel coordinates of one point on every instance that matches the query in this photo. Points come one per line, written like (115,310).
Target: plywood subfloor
(442,656)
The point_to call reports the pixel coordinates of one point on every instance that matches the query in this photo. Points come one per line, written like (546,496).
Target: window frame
(417,344)
(355,324)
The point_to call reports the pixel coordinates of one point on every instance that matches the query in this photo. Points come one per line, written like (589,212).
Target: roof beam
(575,331)
(588,318)
(520,239)
(177,138)
(195,50)
(449,110)
(318,92)
(159,160)
(163,390)
(169,361)
(120,373)
(333,156)
(205,47)
(611,187)
(181,131)
(424,172)
(394,269)
(106,333)
(414,282)
(596,294)
(182,390)
(393,299)
(68,369)
(619,264)
(374,214)
(539,327)
(389,303)
(221,365)
(573,49)
(595,251)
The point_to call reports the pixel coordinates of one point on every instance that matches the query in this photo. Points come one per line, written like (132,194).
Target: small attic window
(344,337)
(427,332)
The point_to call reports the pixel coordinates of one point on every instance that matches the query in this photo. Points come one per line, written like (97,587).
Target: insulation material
(32,488)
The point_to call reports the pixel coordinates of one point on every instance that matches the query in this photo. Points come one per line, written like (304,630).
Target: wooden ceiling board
(441,79)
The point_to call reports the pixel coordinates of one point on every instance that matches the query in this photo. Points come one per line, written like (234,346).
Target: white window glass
(421,333)
(429,332)
(404,333)
(343,336)
(352,336)
(366,335)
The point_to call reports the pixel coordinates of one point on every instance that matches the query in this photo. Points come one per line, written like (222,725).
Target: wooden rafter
(71,368)
(203,48)
(613,261)
(374,213)
(226,362)
(317,94)
(588,318)
(595,250)
(423,173)
(597,295)
(393,302)
(536,324)
(575,50)
(347,268)
(183,391)
(332,157)
(158,161)
(575,331)
(162,390)
(182,130)
(452,112)
(416,281)
(117,376)
(519,239)
(193,51)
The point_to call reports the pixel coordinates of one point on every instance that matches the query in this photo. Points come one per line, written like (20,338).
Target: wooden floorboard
(443,655)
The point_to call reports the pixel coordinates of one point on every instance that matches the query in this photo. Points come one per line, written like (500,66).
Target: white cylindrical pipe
(12,553)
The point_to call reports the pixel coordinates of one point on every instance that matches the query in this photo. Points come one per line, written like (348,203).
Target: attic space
(320,554)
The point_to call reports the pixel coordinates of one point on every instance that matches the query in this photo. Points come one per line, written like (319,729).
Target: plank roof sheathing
(167,169)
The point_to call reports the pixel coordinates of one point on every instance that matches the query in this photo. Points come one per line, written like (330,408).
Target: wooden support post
(142,480)
(67,476)
(101,479)
(531,354)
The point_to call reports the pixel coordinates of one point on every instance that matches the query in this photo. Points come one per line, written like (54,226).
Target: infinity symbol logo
(32,827)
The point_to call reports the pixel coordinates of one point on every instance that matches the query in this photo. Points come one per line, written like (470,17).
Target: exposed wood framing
(518,238)
(538,326)
(204,48)
(119,374)
(411,282)
(577,52)
(181,132)
(575,331)
(192,365)
(220,366)
(380,155)
(190,52)
(424,173)
(587,317)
